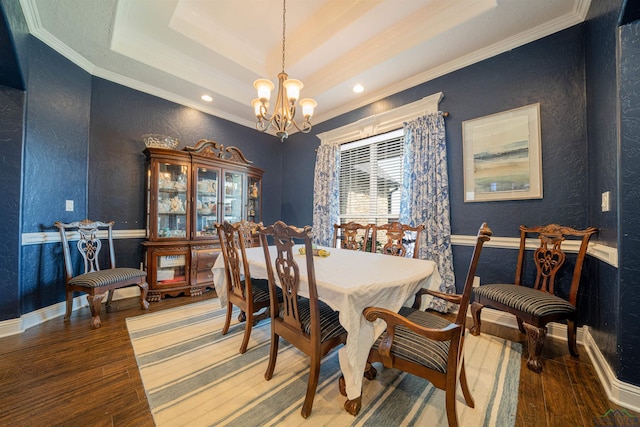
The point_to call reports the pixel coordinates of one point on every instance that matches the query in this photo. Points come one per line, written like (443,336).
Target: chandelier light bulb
(308,105)
(264,88)
(293,87)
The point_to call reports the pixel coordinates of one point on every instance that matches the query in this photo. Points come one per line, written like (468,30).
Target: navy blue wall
(11,133)
(601,34)
(629,330)
(549,71)
(13,34)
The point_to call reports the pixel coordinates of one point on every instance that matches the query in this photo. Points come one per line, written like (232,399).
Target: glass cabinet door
(206,201)
(234,192)
(171,268)
(254,201)
(172,200)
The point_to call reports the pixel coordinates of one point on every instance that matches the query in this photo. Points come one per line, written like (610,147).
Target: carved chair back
(287,272)
(249,232)
(549,256)
(353,236)
(232,243)
(398,238)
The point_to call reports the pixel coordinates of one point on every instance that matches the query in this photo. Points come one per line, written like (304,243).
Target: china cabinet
(187,192)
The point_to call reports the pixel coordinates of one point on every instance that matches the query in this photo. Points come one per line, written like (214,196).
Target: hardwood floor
(65,374)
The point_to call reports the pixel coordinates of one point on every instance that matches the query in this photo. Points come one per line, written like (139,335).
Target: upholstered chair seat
(417,348)
(525,299)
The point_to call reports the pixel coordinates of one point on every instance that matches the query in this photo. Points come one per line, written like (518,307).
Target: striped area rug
(194,376)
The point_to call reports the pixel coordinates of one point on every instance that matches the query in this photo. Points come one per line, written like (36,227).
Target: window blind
(371,179)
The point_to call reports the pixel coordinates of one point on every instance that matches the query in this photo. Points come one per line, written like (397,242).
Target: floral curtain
(425,197)
(326,193)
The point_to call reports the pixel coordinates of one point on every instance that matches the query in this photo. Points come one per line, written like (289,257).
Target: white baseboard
(26,321)
(619,392)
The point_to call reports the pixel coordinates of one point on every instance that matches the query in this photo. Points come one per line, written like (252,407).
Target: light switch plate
(605,202)
(69,206)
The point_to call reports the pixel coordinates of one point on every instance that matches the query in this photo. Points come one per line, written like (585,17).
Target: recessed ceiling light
(206,98)
(358,88)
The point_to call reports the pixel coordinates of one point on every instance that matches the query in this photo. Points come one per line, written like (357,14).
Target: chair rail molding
(604,253)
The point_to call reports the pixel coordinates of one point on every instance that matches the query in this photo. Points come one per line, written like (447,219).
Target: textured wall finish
(629,331)
(11,128)
(602,93)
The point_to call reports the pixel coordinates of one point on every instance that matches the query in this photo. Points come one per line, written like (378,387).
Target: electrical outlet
(69,206)
(476,281)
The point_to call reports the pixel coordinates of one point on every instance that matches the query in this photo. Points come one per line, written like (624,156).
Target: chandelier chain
(284,12)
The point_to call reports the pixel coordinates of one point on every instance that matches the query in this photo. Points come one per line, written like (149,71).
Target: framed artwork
(502,156)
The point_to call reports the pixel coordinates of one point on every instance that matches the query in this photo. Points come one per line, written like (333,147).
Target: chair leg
(144,288)
(520,325)
(227,320)
(450,403)
(465,386)
(94,305)
(536,338)
(571,337)
(67,314)
(476,308)
(273,355)
(312,385)
(107,304)
(247,333)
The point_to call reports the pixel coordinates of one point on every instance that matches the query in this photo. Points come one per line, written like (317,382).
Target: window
(371,179)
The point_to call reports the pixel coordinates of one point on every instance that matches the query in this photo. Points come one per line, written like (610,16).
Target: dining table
(349,281)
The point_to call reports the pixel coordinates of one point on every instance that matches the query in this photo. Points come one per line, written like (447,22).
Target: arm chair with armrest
(395,235)
(307,323)
(94,281)
(427,345)
(536,306)
(353,236)
(249,295)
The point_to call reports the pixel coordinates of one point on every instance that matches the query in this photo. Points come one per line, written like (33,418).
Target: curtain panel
(326,193)
(425,197)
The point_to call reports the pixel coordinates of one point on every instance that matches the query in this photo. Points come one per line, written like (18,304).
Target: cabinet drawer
(205,276)
(206,259)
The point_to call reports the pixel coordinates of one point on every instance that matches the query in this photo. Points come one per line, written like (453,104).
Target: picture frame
(502,156)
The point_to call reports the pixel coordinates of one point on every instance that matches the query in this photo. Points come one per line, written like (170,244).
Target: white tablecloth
(349,281)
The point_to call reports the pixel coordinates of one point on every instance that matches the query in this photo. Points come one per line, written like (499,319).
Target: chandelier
(283,116)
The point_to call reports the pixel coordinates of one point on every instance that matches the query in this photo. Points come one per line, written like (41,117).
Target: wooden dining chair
(307,323)
(428,345)
(249,295)
(546,301)
(397,241)
(249,232)
(353,236)
(96,281)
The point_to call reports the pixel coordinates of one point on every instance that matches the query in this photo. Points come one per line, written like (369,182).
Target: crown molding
(382,122)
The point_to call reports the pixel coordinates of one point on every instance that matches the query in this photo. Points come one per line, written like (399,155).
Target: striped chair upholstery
(426,344)
(526,300)
(330,326)
(539,303)
(103,278)
(96,280)
(294,319)
(417,348)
